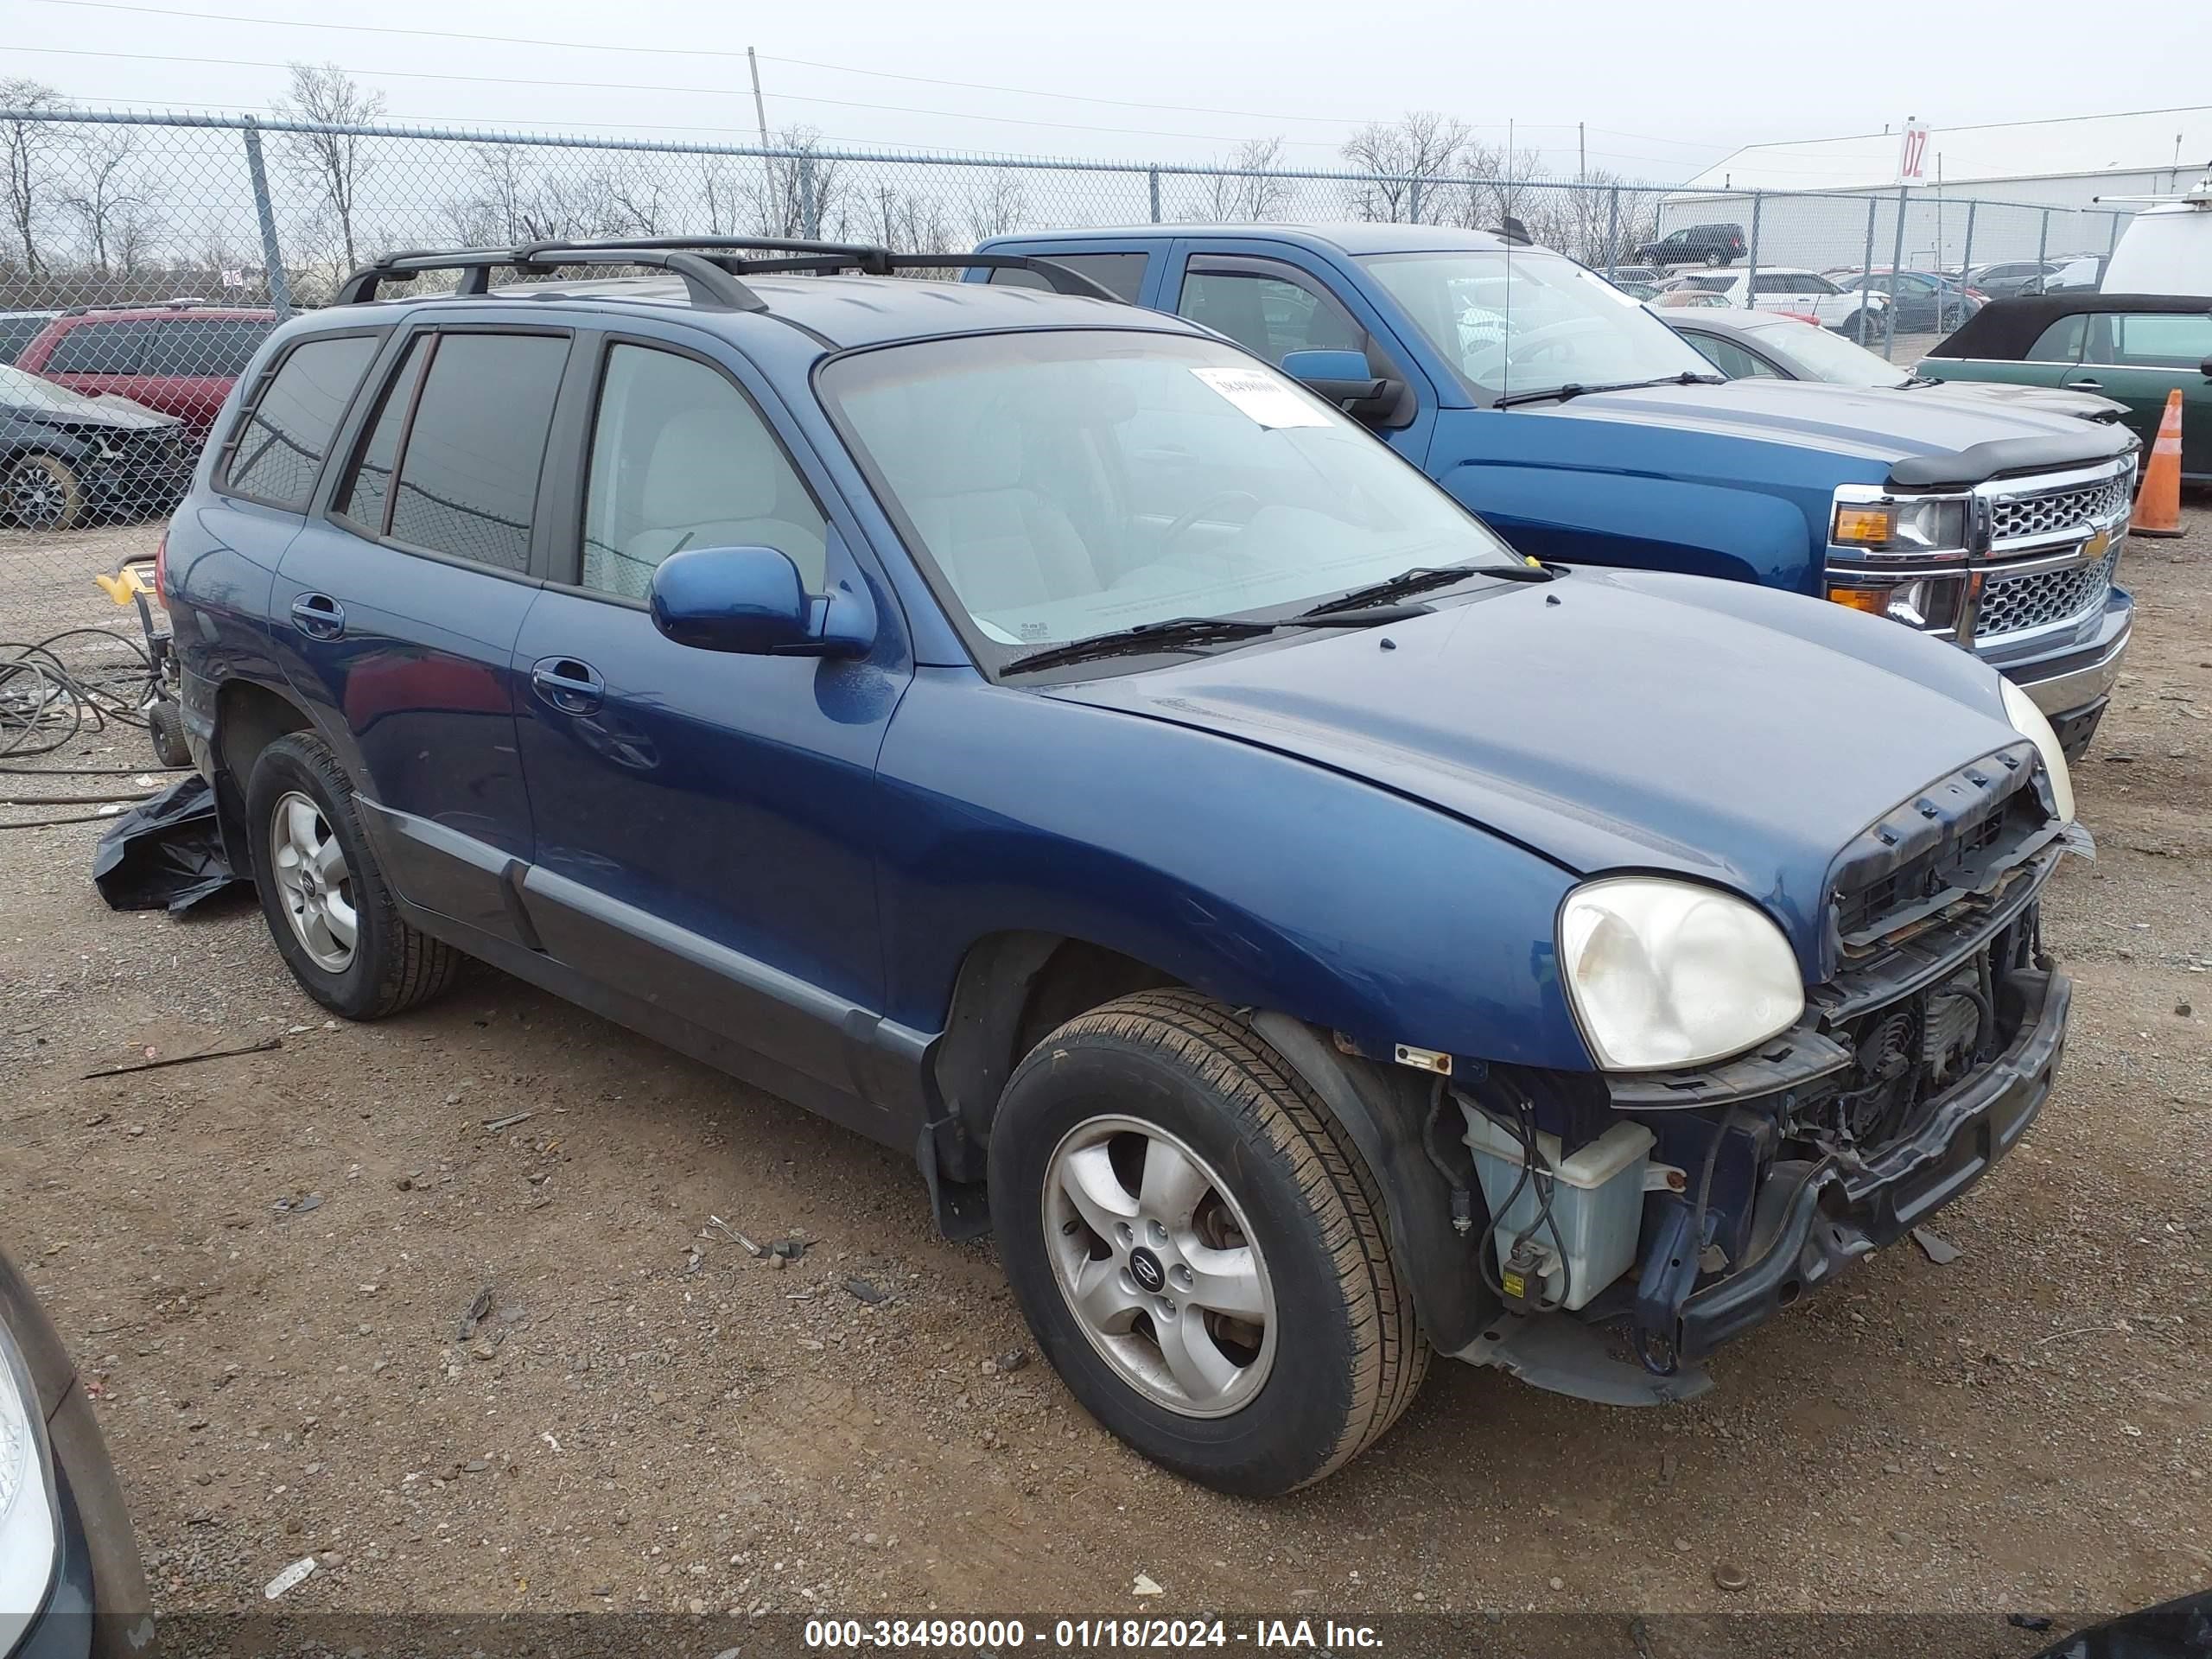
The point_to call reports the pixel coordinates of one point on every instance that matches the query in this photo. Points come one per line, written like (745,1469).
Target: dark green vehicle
(2134,348)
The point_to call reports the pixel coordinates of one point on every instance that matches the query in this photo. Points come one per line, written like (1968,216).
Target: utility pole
(768,205)
(1581,156)
(760,110)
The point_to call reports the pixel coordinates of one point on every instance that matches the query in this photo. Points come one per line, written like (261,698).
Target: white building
(2034,187)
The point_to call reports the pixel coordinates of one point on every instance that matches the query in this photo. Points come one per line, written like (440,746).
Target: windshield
(1830,357)
(1514,322)
(1069,484)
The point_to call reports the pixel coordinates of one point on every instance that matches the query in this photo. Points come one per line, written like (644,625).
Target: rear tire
(324,895)
(165,726)
(1325,1354)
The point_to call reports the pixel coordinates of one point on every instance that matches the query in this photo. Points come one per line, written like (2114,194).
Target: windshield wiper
(1420,578)
(1190,633)
(1576,389)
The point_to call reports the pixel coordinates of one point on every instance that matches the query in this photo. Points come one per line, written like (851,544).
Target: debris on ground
(298,1206)
(2028,1621)
(789,1248)
(166,853)
(735,1237)
(1729,1576)
(1936,1247)
(863,1290)
(496,1124)
(290,1577)
(1146,1586)
(1013,1360)
(477,1311)
(151,1064)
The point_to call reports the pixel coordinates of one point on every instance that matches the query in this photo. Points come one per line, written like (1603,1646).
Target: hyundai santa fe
(1036,733)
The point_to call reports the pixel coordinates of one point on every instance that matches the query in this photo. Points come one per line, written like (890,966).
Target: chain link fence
(145,257)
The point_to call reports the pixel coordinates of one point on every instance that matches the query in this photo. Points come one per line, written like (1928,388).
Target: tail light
(162,571)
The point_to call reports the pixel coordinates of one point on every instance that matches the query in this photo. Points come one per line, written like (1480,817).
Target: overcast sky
(1665,88)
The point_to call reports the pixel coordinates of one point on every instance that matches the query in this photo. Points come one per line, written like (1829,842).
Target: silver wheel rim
(36,498)
(312,882)
(1152,1252)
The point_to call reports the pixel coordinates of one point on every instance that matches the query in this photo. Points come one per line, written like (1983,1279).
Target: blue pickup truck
(1583,429)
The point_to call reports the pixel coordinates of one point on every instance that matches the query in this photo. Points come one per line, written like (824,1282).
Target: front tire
(1198,1247)
(323,894)
(43,492)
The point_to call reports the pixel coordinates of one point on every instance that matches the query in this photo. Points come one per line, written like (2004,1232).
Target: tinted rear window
(280,448)
(204,348)
(1121,274)
(96,347)
(468,477)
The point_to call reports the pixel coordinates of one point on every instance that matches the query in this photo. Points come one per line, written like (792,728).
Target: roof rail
(710,265)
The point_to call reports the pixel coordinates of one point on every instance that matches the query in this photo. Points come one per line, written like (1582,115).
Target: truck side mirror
(1349,380)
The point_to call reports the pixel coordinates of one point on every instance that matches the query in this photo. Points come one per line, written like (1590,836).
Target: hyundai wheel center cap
(1145,1269)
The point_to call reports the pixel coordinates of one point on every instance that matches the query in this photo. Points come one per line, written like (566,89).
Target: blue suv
(1030,730)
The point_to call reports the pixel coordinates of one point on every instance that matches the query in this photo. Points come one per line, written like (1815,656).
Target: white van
(2166,249)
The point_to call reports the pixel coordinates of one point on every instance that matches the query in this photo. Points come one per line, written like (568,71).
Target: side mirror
(2205,368)
(1348,379)
(749,601)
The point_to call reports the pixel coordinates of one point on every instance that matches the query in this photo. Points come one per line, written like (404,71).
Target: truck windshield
(1062,485)
(1514,322)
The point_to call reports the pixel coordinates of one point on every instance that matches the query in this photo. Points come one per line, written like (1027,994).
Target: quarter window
(366,497)
(279,449)
(101,348)
(2154,339)
(1733,359)
(679,459)
(469,463)
(2061,342)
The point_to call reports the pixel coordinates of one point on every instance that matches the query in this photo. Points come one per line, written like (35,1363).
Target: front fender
(1635,519)
(1262,880)
(21,437)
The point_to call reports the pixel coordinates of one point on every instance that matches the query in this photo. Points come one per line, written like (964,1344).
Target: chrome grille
(2010,604)
(2013,515)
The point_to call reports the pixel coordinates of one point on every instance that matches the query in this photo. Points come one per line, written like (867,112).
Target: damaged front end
(1919,1060)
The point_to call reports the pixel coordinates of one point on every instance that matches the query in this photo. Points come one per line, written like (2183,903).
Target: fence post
(1152,175)
(2042,246)
(1412,203)
(1866,267)
(808,218)
(1612,232)
(1751,256)
(1966,253)
(1897,258)
(272,258)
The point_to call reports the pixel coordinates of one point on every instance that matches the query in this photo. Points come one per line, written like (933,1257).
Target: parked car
(1926,303)
(1622,276)
(2134,348)
(1638,290)
(1674,299)
(66,459)
(2083,273)
(1806,293)
(70,1578)
(1580,426)
(811,671)
(19,328)
(1749,344)
(180,359)
(1695,245)
(2006,278)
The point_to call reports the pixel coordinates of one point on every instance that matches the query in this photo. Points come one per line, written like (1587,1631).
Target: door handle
(572,687)
(2085,386)
(319,616)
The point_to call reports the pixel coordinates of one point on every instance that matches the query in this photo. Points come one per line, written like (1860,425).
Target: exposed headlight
(2028,721)
(27,1539)
(1936,526)
(1666,974)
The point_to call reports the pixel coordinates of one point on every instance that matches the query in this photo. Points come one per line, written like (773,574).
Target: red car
(180,359)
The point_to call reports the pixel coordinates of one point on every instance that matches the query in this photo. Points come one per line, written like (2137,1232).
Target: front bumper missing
(1831,1214)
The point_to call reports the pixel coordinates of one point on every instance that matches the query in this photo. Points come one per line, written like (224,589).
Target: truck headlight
(28,1535)
(1665,974)
(2028,721)
(1931,526)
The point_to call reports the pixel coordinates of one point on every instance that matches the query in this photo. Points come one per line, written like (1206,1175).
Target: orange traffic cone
(2157,504)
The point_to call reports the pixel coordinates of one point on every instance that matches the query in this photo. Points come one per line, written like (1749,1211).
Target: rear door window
(365,498)
(101,348)
(470,459)
(204,348)
(1121,274)
(280,447)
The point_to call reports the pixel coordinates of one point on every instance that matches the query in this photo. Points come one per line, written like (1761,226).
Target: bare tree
(331,163)
(999,204)
(1408,161)
(801,193)
(1241,190)
(905,221)
(723,196)
(27,147)
(635,204)
(103,192)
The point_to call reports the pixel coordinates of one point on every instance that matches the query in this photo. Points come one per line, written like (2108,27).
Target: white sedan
(1803,293)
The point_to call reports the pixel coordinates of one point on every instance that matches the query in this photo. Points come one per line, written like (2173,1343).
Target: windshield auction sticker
(1268,400)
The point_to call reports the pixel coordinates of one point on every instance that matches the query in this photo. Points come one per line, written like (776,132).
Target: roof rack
(710,265)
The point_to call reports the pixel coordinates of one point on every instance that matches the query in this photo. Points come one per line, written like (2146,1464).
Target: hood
(1615,721)
(1870,423)
(2046,400)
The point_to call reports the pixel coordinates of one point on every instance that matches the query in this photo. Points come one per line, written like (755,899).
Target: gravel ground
(265,1264)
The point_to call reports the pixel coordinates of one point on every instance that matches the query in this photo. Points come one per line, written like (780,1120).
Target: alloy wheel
(1153,1255)
(311,875)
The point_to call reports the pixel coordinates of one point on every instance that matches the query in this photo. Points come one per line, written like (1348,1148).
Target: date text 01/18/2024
(1080,1635)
